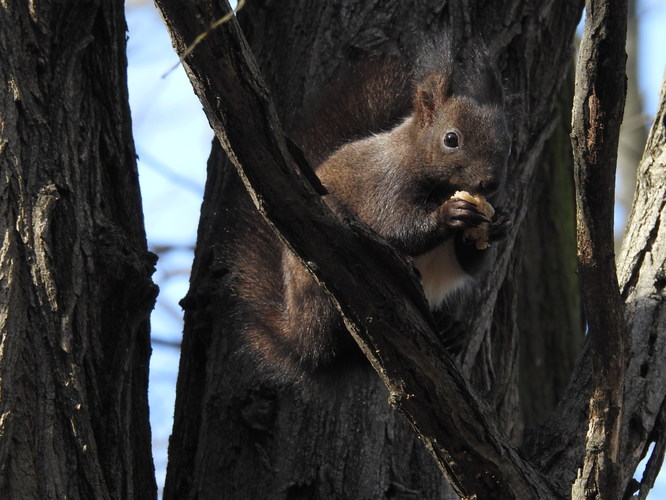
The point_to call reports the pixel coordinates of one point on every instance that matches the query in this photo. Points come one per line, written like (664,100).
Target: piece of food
(479,234)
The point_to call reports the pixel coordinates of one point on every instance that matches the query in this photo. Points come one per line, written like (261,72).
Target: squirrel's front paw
(500,226)
(459,214)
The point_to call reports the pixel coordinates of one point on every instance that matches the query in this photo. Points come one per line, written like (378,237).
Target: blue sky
(652,47)
(173,140)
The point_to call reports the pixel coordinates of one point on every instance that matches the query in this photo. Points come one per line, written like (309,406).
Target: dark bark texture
(640,265)
(239,438)
(642,276)
(597,114)
(75,288)
(550,315)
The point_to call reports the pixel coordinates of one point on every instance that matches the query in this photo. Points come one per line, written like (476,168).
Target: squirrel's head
(462,141)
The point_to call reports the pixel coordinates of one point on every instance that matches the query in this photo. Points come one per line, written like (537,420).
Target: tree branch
(641,276)
(394,329)
(597,115)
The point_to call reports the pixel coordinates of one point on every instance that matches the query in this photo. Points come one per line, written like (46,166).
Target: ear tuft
(429,96)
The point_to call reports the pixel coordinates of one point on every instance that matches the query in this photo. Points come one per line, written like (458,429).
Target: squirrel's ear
(430,94)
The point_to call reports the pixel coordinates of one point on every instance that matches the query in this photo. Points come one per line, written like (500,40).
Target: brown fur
(399,182)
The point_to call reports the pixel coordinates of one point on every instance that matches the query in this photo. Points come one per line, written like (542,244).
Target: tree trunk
(74,268)
(642,276)
(550,314)
(240,438)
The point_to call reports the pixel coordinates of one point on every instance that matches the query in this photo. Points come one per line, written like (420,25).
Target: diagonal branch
(394,329)
(597,115)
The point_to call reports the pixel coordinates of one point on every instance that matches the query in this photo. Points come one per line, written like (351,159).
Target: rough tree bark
(237,437)
(75,288)
(641,266)
(597,114)
(642,276)
(290,437)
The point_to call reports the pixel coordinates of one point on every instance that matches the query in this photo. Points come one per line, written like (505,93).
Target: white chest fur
(441,273)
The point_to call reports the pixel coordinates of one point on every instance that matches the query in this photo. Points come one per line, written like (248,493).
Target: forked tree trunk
(237,438)
(75,288)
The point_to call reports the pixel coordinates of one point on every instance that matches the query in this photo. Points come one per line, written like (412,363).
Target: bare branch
(641,271)
(597,115)
(641,275)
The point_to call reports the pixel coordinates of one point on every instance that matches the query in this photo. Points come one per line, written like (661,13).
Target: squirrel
(391,142)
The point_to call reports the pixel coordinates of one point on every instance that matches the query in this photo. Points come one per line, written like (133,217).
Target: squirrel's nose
(488,187)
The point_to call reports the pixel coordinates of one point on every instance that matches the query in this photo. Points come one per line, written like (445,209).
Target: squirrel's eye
(451,140)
